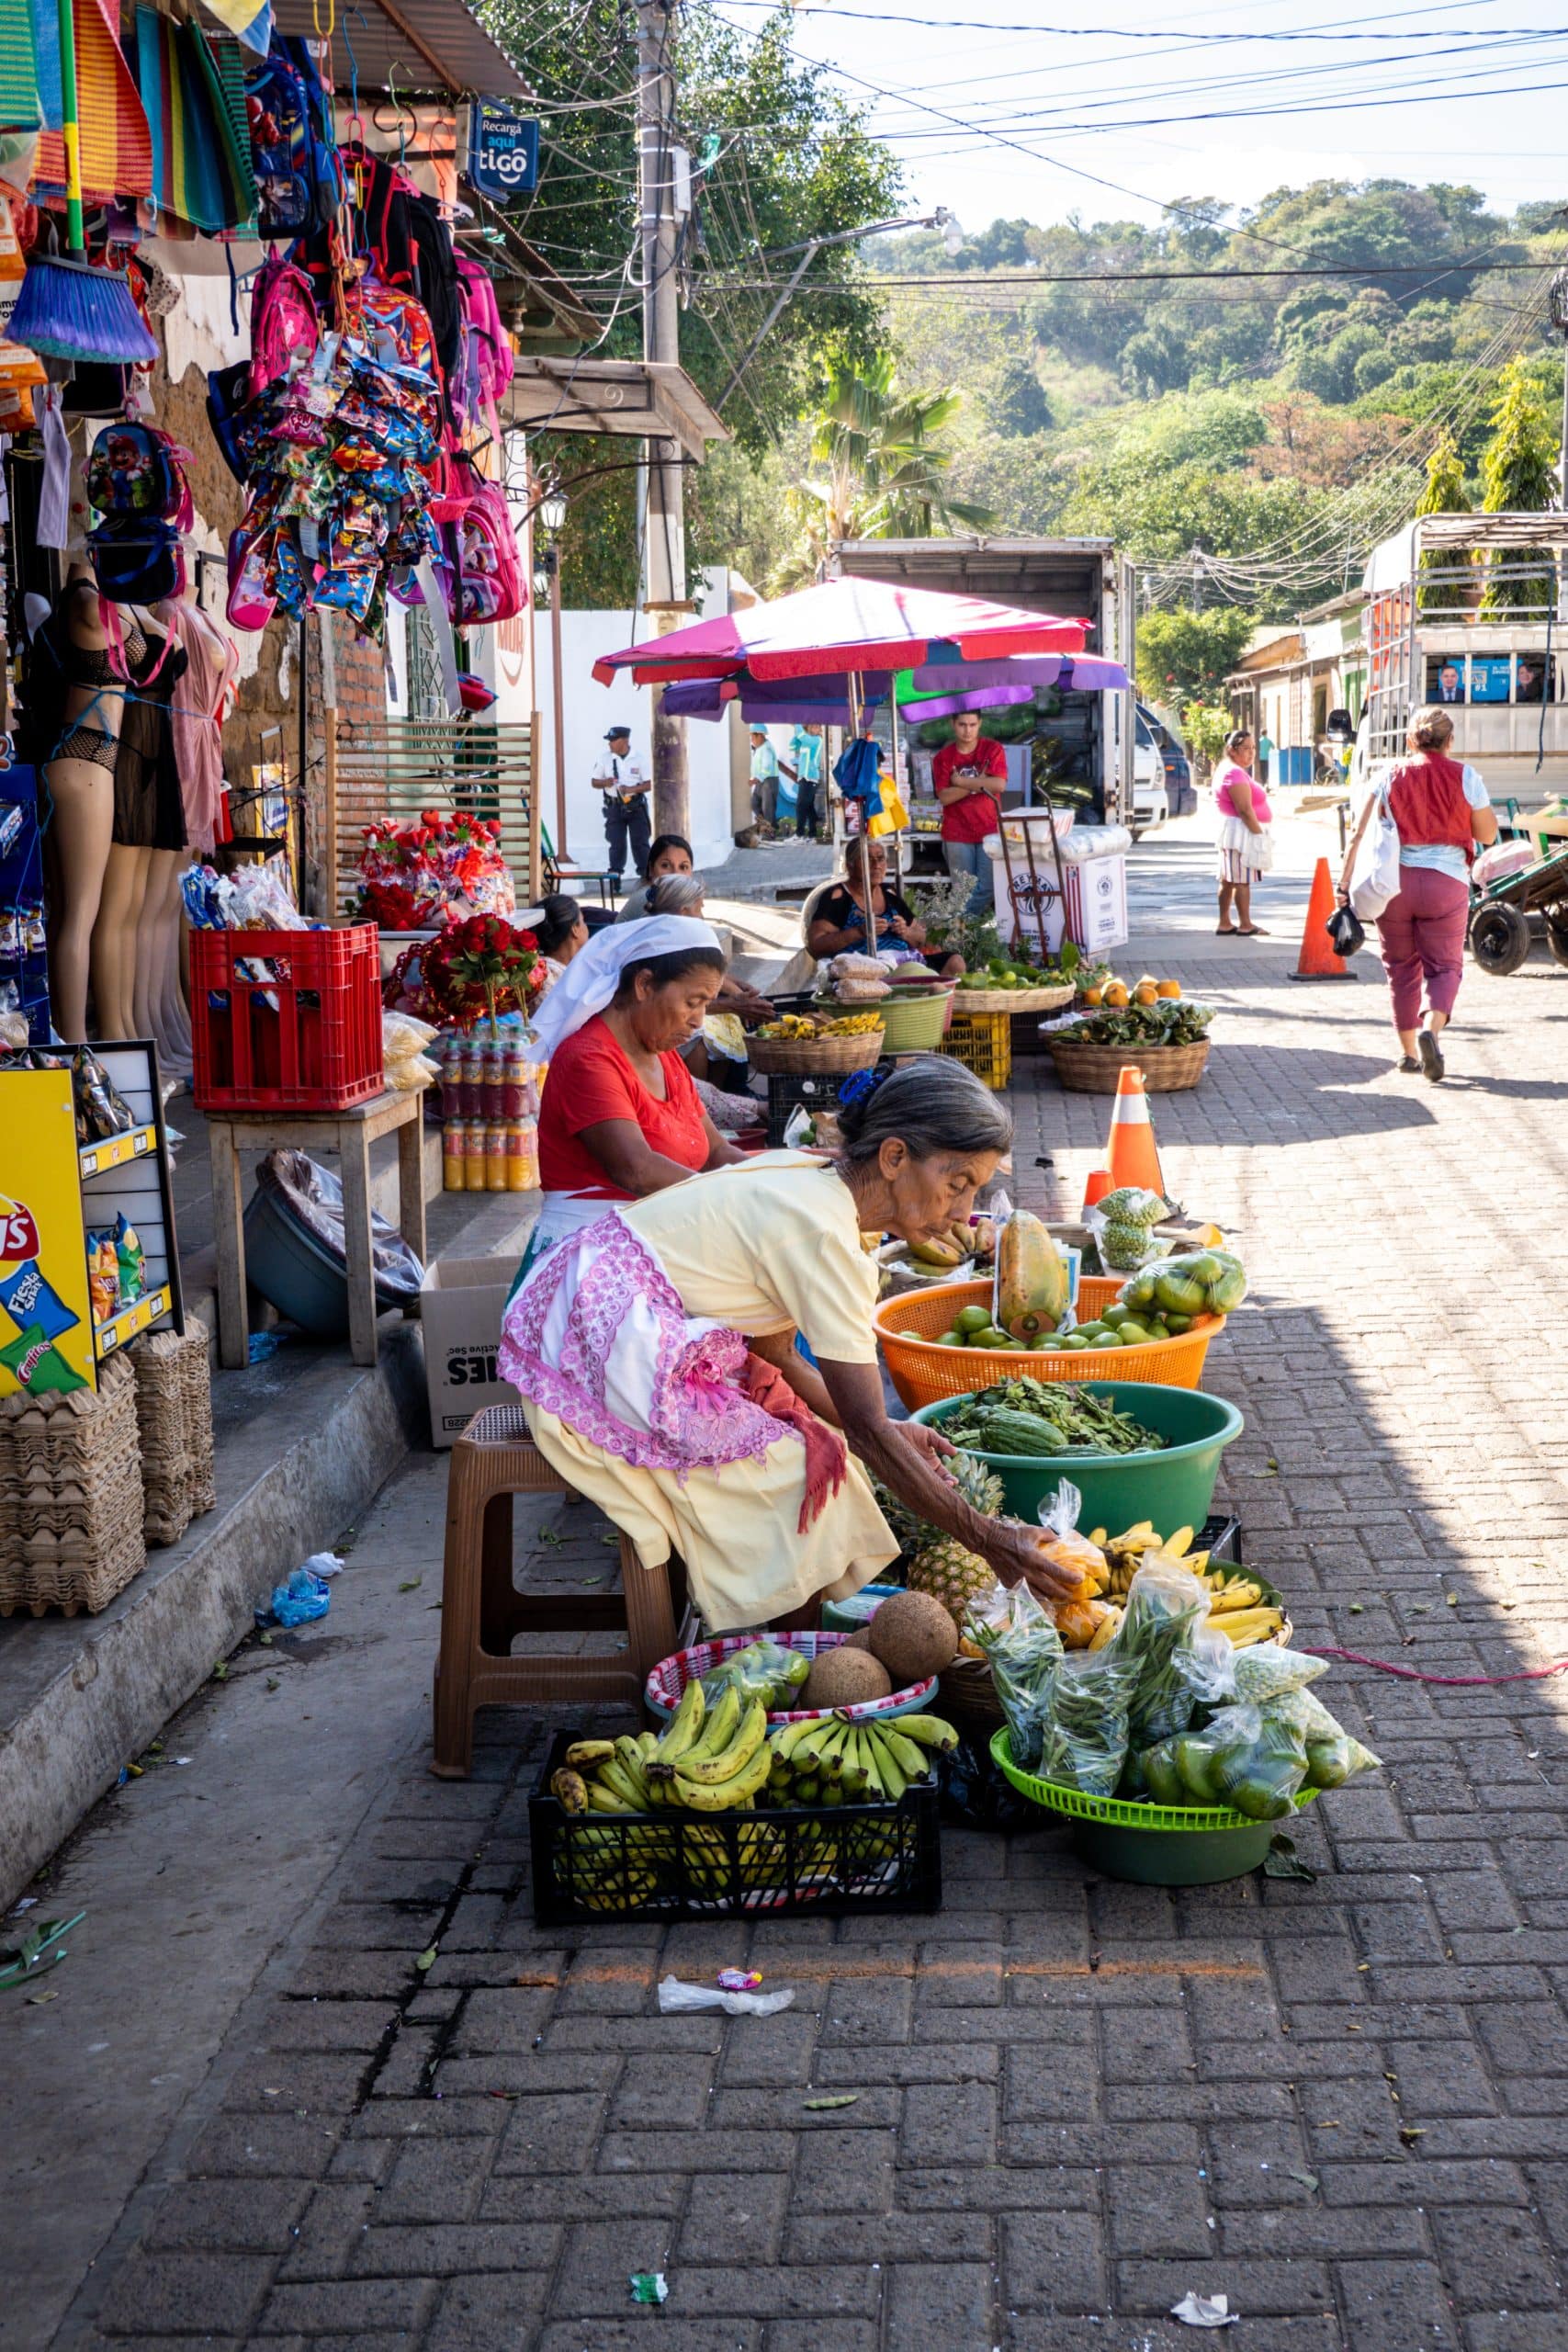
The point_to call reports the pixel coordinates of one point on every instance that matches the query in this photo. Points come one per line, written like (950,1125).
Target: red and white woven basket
(671,1676)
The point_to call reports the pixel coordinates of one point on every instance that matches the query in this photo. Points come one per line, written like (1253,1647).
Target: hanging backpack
(285,328)
(299,182)
(136,470)
(486,580)
(138,560)
(485,366)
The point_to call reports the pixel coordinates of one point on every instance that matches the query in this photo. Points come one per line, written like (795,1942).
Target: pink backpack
(482,578)
(285,329)
(487,347)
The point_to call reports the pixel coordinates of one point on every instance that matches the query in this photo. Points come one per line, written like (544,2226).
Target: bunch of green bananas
(834,1761)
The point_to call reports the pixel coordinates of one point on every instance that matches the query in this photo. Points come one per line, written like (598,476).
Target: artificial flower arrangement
(448,865)
(478,966)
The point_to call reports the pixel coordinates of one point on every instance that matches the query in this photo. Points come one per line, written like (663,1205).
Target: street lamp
(552,510)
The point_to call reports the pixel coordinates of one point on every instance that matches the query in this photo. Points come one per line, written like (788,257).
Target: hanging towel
(117,149)
(54,495)
(200,170)
(19,105)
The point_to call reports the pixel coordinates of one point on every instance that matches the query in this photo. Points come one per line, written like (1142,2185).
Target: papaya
(1031,1280)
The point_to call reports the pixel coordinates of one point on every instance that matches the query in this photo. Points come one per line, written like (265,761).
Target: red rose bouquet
(477,967)
(411,877)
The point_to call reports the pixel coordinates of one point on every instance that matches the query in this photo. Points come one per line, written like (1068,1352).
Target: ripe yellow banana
(1241,1592)
(716,1772)
(571,1788)
(584,1752)
(682,1732)
(706,1798)
(720,1727)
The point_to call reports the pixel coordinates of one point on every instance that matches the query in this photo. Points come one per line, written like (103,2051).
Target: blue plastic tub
(296,1273)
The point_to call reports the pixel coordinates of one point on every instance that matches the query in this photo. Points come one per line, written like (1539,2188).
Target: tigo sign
(503,158)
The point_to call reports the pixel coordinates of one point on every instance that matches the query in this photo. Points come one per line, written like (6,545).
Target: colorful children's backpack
(293,152)
(483,575)
(136,470)
(284,329)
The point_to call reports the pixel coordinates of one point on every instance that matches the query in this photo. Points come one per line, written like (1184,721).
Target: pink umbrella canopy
(844,626)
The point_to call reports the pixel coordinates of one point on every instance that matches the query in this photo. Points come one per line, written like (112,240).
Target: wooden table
(350,1133)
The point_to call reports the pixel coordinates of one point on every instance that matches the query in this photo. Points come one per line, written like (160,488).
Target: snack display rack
(57,1189)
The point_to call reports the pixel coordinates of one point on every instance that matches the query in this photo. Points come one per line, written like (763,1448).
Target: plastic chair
(482,1612)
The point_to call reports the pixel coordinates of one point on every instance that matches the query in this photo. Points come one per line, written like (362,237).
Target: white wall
(590,709)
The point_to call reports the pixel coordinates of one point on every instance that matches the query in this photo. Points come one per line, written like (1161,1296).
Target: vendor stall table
(350,1133)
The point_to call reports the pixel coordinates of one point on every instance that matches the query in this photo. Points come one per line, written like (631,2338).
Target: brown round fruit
(844,1678)
(914,1636)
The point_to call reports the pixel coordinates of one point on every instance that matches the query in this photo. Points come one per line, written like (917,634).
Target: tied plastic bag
(403,1037)
(301,1601)
(412,1074)
(1334,1756)
(1084,1734)
(1123,1223)
(1024,1652)
(1250,1759)
(1166,1606)
(1079,1617)
(1198,1282)
(763,1670)
(1265,1672)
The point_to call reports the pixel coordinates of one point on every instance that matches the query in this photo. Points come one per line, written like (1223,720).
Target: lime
(1114,1316)
(991,1337)
(1176,1324)
(947,1340)
(973,1319)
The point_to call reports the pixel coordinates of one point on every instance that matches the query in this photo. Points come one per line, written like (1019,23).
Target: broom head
(68,309)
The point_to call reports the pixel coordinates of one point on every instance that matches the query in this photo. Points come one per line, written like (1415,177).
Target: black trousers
(627,820)
(805,807)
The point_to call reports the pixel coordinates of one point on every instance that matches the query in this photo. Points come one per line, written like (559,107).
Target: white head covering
(593,975)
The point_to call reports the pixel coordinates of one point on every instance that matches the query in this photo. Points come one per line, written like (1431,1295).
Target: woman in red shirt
(969,776)
(619,1117)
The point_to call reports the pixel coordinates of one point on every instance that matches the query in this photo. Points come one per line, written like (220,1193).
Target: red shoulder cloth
(1426,798)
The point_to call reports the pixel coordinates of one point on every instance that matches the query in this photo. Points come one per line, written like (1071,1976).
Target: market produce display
(802,1028)
(1164,1709)
(1200,1281)
(1031,1280)
(1028,1417)
(1115,995)
(763,1670)
(1015,972)
(1162,1020)
(836,1763)
(957,1245)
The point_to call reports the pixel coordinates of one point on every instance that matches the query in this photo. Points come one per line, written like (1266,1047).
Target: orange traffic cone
(1318,960)
(1099,1183)
(1131,1152)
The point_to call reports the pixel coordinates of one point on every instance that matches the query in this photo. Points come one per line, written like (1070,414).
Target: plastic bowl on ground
(1172,1485)
(294,1272)
(1150,1845)
(662,1694)
(924,1373)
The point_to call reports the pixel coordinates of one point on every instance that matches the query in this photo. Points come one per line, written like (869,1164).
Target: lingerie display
(149,807)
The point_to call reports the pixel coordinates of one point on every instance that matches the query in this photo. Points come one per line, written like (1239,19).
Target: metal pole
(561,850)
(300,835)
(664,530)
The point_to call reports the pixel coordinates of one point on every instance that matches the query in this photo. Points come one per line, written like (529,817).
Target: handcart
(1502,914)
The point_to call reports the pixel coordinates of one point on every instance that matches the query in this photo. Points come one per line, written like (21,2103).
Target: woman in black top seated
(839,926)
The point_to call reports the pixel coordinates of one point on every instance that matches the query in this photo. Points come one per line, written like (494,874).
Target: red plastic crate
(308,1039)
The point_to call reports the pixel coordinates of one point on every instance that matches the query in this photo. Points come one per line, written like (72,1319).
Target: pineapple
(981,1489)
(946,1568)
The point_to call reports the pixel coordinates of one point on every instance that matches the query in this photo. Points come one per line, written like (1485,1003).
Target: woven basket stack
(173,1409)
(71,1495)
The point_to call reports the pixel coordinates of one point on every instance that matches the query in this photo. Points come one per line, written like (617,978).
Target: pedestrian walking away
(968,776)
(1245,845)
(625,784)
(1442,814)
(764,779)
(805,764)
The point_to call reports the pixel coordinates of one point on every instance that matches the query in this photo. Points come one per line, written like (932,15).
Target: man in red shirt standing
(969,776)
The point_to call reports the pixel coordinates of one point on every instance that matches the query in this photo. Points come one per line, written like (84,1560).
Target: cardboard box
(459,1306)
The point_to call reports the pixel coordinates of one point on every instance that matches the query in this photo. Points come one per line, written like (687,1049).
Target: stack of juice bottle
(489,1110)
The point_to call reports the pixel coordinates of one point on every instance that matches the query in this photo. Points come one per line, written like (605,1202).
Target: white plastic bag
(1374,865)
(676,1998)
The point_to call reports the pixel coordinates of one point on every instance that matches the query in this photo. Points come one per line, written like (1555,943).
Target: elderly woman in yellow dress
(655,1351)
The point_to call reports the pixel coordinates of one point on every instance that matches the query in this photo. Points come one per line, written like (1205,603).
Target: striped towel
(194,102)
(19,105)
(117,149)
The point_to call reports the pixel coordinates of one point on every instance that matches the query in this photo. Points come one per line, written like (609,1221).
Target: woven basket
(814,1057)
(671,1676)
(1083,1067)
(196,1375)
(1012,1000)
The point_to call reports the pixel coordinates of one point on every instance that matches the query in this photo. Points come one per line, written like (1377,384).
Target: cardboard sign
(502,152)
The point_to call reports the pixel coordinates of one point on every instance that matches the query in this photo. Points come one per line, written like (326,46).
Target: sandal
(1252,930)
(1431,1057)
(1407,1062)
(1227,930)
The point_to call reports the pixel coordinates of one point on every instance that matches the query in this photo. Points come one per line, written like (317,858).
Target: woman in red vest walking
(1442,813)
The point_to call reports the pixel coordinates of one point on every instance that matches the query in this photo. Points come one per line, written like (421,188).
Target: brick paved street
(1342,2103)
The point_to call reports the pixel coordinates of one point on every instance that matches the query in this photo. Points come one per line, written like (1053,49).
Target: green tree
(1185,656)
(882,466)
(1014,401)
(1445,493)
(1517,477)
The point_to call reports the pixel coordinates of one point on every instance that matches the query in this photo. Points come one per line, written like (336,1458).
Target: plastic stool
(482,1610)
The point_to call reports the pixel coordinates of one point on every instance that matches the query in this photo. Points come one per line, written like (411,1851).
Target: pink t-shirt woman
(1244,850)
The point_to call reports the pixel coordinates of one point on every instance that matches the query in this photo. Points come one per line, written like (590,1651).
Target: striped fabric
(195,103)
(19,106)
(116,148)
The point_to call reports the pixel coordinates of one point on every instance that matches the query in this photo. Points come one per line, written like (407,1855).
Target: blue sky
(1460,91)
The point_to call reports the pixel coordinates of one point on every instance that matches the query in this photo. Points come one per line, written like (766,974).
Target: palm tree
(881,468)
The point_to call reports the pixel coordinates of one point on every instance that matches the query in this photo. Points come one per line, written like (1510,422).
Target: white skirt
(1242,854)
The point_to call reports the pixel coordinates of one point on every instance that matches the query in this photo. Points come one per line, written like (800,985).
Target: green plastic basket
(1173,1486)
(1150,1845)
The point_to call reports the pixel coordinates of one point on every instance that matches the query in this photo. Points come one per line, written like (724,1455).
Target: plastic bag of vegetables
(1334,1756)
(1079,1616)
(1084,1735)
(1122,1223)
(763,1670)
(1200,1281)
(1166,1606)
(1024,1652)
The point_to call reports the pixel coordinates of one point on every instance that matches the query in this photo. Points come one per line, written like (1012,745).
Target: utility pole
(662,478)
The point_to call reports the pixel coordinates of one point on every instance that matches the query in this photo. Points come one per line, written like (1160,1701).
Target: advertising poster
(46,1332)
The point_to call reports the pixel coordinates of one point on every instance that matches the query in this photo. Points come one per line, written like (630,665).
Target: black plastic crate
(687,1865)
(787,1091)
(1219,1536)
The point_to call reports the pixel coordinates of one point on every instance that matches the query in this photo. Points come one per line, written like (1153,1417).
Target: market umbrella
(843,628)
(932,691)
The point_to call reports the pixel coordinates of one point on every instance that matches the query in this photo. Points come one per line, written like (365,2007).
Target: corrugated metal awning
(412,46)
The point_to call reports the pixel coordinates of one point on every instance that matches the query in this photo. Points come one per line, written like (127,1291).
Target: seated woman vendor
(655,1352)
(619,1117)
(838,924)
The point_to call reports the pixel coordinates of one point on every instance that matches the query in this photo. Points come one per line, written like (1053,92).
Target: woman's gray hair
(932,1106)
(676,894)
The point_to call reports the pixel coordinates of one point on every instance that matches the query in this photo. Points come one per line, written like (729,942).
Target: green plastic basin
(1173,1488)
